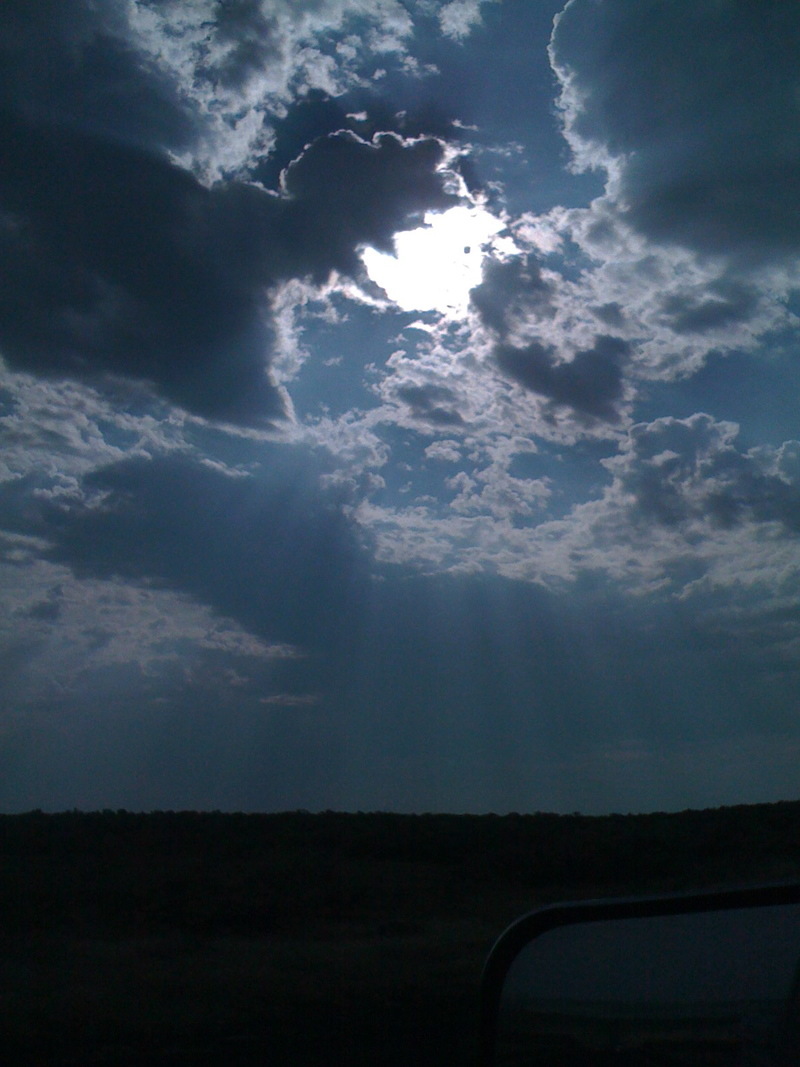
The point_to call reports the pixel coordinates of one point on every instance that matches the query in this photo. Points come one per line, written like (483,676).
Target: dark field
(298,939)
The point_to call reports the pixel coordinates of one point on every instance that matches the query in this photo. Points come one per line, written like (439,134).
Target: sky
(399,404)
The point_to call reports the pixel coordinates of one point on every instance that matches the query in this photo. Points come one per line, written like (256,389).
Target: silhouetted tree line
(260,873)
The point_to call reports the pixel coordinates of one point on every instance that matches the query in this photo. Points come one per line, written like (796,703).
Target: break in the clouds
(399,404)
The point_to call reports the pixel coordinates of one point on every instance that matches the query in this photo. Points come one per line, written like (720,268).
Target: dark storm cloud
(117,262)
(270,551)
(591,383)
(431,403)
(315,115)
(75,65)
(699,103)
(723,304)
(511,293)
(345,192)
(683,469)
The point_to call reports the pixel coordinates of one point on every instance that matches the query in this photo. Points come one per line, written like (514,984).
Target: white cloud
(460,17)
(68,629)
(238,64)
(687,516)
(494,491)
(445,451)
(675,305)
(61,430)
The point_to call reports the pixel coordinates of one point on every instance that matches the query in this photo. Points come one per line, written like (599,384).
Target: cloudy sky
(399,404)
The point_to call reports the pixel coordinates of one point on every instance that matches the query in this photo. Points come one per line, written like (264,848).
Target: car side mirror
(706,979)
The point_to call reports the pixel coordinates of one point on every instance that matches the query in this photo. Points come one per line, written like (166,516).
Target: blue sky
(399,405)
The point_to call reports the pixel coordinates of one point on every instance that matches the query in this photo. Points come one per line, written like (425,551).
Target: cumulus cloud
(693,112)
(96,287)
(61,634)
(317,114)
(359,193)
(687,514)
(493,490)
(675,306)
(58,431)
(459,17)
(692,248)
(682,470)
(208,82)
(445,451)
(722,304)
(239,64)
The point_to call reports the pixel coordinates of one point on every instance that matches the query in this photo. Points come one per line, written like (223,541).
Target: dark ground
(304,939)
(228,1000)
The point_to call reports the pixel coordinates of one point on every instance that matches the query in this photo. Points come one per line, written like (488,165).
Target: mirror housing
(701,978)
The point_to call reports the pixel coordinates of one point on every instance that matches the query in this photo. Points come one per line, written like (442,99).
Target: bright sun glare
(435,266)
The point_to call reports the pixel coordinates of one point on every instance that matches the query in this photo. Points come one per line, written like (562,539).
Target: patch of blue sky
(760,392)
(513,107)
(335,378)
(118,436)
(574,474)
(411,477)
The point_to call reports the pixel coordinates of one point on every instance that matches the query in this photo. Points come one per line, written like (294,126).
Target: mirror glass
(712,988)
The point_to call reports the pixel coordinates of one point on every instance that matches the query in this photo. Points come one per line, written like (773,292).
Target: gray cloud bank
(698,107)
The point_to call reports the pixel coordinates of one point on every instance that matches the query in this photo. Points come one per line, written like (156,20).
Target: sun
(435,266)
